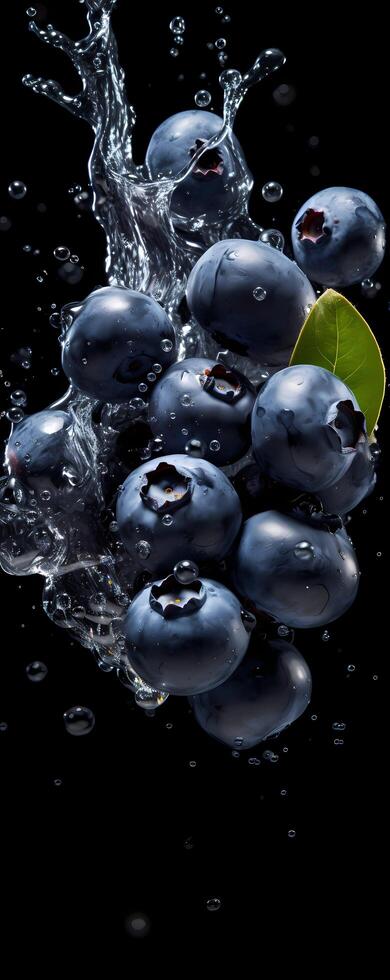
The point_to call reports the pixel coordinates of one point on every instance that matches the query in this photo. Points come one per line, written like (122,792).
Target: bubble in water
(230,78)
(5,223)
(15,415)
(351,668)
(273,237)
(339,726)
(291,833)
(368,288)
(325,636)
(148,699)
(254,761)
(3,726)
(270,756)
(142,387)
(167,520)
(186,572)
(304,551)
(219,11)
(72,274)
(195,448)
(174,52)
(36,671)
(166,345)
(189,842)
(62,253)
(151,377)
(202,98)
(185,400)
(31,12)
(17,189)
(137,924)
(259,293)
(19,397)
(213,904)
(338,741)
(137,404)
(177,25)
(272,192)
(214,446)
(284,94)
(143,549)
(157,368)
(220,43)
(79,720)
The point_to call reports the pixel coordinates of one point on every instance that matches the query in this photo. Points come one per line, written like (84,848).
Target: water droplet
(214,446)
(177,25)
(259,293)
(174,52)
(143,549)
(338,741)
(189,842)
(5,223)
(195,448)
(254,761)
(166,345)
(167,520)
(151,377)
(157,368)
(325,636)
(62,253)
(19,397)
(79,720)
(291,833)
(339,726)
(213,904)
(142,387)
(17,189)
(185,400)
(270,756)
(36,671)
(220,43)
(15,415)
(137,925)
(283,630)
(137,404)
(31,12)
(351,668)
(304,551)
(148,699)
(272,192)
(3,726)
(273,237)
(202,98)
(219,11)
(186,572)
(284,94)
(172,415)
(230,78)
(79,612)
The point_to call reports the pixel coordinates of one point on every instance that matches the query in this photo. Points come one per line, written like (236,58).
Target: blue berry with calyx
(186,638)
(41,460)
(339,236)
(203,408)
(306,427)
(176,508)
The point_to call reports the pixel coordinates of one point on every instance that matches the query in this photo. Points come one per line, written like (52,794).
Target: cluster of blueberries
(229,565)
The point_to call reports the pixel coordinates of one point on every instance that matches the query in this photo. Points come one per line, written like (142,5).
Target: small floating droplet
(79,720)
(17,189)
(186,572)
(202,98)
(259,293)
(36,671)
(272,192)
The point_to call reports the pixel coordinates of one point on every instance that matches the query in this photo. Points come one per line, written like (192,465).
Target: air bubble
(214,446)
(284,94)
(339,726)
(291,833)
(259,293)
(151,377)
(304,551)
(273,237)
(272,192)
(177,25)
(220,43)
(230,78)
(36,671)
(143,549)
(142,387)
(325,636)
(166,345)
(157,368)
(174,52)
(79,720)
(185,400)
(195,448)
(186,572)
(202,98)
(62,253)
(17,190)
(167,520)
(213,904)
(15,415)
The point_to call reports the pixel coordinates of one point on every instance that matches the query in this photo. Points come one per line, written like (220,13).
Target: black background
(109,841)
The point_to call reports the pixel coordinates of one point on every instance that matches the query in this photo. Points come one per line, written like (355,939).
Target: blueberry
(185,639)
(198,399)
(356,484)
(183,508)
(293,571)
(269,690)
(115,337)
(306,427)
(338,236)
(212,187)
(251,298)
(40,456)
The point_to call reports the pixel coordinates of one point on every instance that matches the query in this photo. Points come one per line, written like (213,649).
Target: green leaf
(335,336)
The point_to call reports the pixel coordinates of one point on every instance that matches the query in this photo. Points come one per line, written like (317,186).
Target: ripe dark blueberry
(185,509)
(356,484)
(184,639)
(338,236)
(306,427)
(269,690)
(211,188)
(198,399)
(40,458)
(115,337)
(298,574)
(251,298)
